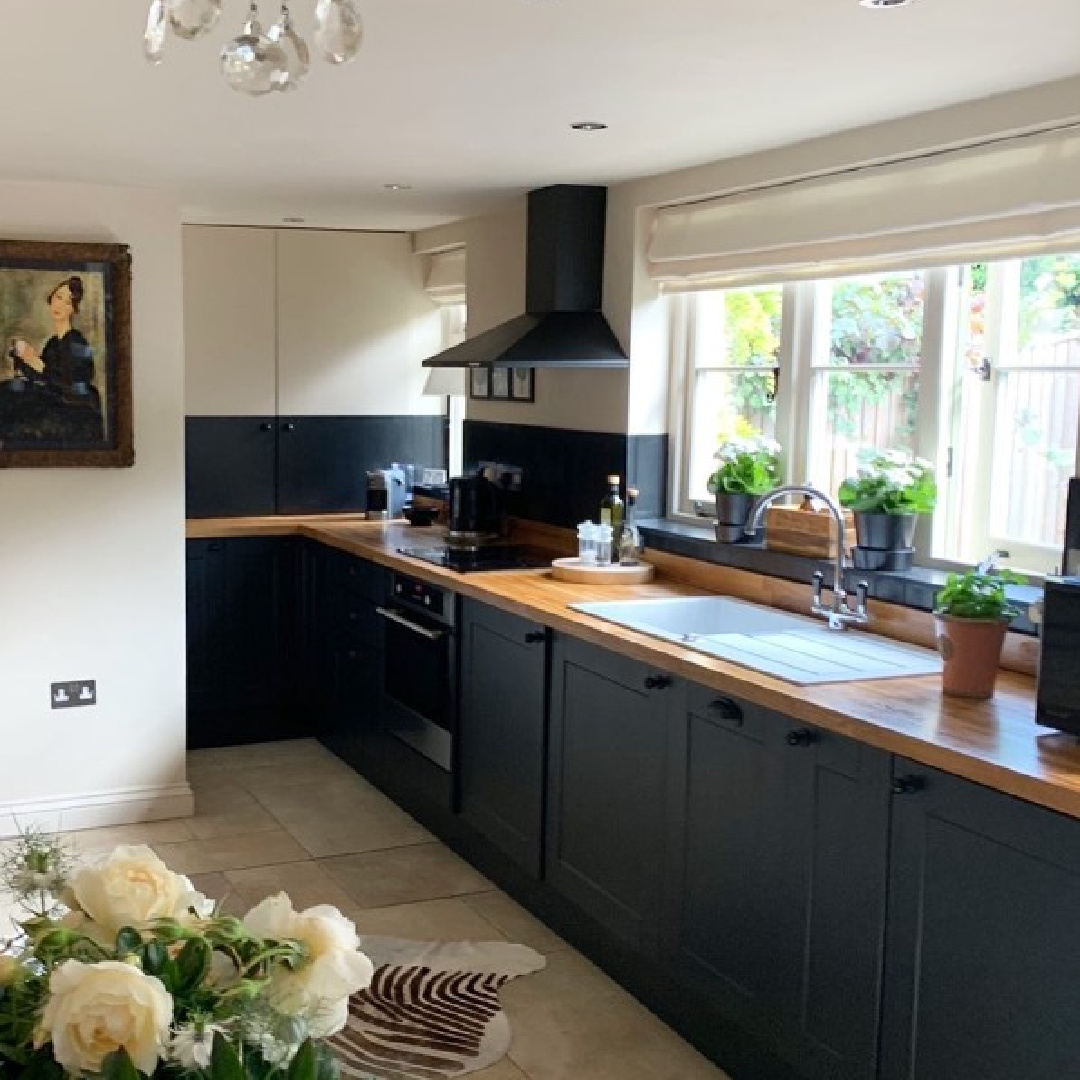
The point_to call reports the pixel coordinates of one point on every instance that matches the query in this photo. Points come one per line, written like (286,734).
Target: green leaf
(154,958)
(192,964)
(42,1066)
(128,940)
(304,1065)
(224,1061)
(119,1066)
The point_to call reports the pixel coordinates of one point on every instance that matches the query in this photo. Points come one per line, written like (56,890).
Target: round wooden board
(575,570)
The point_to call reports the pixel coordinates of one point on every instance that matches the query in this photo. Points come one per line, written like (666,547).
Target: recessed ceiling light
(878,5)
(398,187)
(588,125)
(293,220)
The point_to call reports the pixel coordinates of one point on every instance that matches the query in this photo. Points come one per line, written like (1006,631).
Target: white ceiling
(470,101)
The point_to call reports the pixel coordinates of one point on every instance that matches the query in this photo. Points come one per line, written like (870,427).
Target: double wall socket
(508,477)
(73,694)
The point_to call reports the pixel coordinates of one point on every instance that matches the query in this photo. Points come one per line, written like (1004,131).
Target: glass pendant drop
(157,25)
(338,31)
(297,55)
(192,19)
(251,62)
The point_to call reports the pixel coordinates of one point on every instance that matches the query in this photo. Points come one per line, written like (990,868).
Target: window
(976,368)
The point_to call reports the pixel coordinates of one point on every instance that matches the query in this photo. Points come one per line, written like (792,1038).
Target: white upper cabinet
(229,321)
(354,324)
(305,323)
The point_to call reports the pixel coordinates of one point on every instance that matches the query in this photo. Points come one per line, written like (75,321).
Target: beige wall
(631,301)
(579,400)
(92,571)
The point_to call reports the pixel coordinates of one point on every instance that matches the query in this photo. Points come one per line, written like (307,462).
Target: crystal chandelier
(258,61)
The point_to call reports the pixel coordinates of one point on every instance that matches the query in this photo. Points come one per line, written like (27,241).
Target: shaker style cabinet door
(983,965)
(501,732)
(607,794)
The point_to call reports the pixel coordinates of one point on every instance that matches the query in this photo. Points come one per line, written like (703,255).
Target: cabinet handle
(266,426)
(802,737)
(908,785)
(288,426)
(657,682)
(535,637)
(213,547)
(726,709)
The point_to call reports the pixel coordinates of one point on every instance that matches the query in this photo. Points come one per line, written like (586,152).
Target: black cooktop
(486,557)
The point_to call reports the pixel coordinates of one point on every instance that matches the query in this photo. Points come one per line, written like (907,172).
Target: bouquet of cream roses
(121,970)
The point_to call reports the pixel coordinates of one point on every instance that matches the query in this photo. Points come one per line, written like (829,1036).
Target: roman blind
(1018,195)
(444,280)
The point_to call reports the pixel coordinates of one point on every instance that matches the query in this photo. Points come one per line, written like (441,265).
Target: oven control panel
(421,596)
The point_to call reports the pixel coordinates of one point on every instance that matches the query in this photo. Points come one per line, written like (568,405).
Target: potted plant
(886,495)
(749,465)
(970,620)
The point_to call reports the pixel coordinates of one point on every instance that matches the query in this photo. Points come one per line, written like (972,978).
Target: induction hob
(486,557)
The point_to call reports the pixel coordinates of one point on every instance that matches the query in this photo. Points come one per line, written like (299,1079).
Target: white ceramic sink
(797,648)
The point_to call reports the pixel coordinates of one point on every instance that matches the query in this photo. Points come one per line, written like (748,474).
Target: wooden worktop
(996,743)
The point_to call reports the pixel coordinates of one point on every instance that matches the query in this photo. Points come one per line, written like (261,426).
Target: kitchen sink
(796,648)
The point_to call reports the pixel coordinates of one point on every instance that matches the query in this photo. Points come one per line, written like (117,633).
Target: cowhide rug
(432,1011)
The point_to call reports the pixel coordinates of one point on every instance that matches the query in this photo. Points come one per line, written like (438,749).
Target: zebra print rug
(432,1011)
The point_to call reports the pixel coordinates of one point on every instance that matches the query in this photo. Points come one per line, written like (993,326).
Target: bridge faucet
(839,614)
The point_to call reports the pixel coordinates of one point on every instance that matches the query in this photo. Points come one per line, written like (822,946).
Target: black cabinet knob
(907,785)
(726,709)
(288,426)
(266,426)
(535,637)
(213,547)
(657,682)
(802,737)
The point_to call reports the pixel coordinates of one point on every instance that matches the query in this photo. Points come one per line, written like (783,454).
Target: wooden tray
(576,570)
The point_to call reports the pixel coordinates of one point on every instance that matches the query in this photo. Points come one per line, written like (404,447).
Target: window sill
(915,588)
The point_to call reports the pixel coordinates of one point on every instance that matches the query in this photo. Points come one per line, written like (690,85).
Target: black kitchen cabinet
(983,975)
(501,730)
(608,788)
(775,899)
(242,645)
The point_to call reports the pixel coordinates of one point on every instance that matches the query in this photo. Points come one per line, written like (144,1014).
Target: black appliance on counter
(476,512)
(471,560)
(420,667)
(1059,669)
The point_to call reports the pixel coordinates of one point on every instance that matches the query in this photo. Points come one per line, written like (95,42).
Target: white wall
(495,244)
(631,300)
(92,560)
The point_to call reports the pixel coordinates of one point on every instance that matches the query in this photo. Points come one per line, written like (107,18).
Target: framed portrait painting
(65,355)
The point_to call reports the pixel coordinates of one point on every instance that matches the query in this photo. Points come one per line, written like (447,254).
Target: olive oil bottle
(613,512)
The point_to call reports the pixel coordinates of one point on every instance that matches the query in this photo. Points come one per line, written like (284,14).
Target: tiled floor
(291,816)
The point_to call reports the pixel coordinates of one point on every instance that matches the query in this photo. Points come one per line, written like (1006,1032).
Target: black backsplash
(565,471)
(241,465)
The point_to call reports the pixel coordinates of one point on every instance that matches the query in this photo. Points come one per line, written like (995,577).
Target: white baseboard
(123,806)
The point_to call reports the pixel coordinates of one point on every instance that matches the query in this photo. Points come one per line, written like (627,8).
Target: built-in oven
(420,667)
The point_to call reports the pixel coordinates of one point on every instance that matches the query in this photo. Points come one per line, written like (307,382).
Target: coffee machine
(387,493)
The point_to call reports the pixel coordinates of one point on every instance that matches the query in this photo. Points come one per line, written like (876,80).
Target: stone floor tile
(428,920)
(244,819)
(231,852)
(88,843)
(403,875)
(515,922)
(308,883)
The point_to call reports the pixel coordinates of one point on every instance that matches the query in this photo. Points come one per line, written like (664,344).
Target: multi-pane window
(976,368)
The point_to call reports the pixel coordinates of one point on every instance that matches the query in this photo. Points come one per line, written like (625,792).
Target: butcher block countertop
(996,743)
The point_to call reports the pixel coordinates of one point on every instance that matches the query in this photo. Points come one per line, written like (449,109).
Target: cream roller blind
(1016,196)
(444,280)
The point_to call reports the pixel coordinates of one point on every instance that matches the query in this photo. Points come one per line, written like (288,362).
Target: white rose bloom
(335,968)
(133,887)
(95,1009)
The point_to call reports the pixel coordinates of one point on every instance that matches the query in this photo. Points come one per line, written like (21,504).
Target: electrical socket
(74,694)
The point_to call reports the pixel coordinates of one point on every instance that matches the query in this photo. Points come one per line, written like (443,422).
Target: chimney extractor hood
(562,326)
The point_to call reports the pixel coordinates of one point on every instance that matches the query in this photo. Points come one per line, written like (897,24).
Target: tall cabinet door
(608,774)
(501,730)
(983,965)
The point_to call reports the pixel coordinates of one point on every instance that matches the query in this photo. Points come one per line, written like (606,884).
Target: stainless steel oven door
(417,666)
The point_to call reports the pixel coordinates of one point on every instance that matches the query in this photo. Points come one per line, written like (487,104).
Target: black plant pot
(732,510)
(885,532)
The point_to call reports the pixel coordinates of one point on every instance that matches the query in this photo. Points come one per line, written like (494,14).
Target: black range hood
(563,326)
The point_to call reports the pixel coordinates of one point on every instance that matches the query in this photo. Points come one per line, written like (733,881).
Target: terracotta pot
(885,532)
(971,649)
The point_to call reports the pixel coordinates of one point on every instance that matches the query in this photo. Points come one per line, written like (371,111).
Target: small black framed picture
(500,384)
(479,382)
(523,384)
